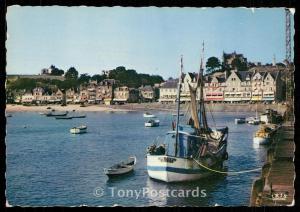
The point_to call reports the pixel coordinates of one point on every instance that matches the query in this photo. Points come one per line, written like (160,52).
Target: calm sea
(48,166)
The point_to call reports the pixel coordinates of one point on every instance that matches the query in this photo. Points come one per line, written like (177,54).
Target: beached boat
(152,123)
(191,150)
(263,135)
(121,168)
(149,115)
(240,120)
(78,130)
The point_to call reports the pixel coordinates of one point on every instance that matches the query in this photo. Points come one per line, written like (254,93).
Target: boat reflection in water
(195,193)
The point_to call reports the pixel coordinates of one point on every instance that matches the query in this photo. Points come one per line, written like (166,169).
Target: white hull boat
(78,130)
(121,168)
(240,121)
(261,140)
(152,123)
(253,120)
(149,115)
(176,169)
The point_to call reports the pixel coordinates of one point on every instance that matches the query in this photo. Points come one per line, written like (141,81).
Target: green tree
(57,72)
(23,83)
(72,73)
(238,64)
(98,77)
(213,64)
(84,78)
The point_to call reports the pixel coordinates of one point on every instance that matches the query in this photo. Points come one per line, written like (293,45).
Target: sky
(149,40)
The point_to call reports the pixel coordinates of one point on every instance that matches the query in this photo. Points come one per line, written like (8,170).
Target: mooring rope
(229,172)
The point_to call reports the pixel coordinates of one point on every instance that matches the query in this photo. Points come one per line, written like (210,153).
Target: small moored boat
(152,123)
(63,117)
(79,116)
(149,115)
(56,114)
(253,120)
(78,130)
(121,168)
(240,121)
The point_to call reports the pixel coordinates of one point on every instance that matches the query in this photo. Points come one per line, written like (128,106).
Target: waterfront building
(84,95)
(214,89)
(27,98)
(147,93)
(59,95)
(267,86)
(38,94)
(168,91)
(232,91)
(245,87)
(257,86)
(70,95)
(104,92)
(124,94)
(76,98)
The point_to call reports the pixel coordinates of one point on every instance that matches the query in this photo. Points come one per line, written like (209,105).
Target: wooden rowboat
(121,168)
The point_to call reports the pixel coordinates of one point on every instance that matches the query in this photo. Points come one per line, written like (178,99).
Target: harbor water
(48,166)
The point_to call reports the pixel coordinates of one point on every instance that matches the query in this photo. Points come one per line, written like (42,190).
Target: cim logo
(279,196)
(167,160)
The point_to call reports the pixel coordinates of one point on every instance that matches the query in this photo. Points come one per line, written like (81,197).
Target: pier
(275,186)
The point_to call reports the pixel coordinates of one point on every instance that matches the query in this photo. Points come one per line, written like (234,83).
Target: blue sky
(149,40)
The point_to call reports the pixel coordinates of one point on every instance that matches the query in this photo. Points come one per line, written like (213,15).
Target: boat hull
(149,116)
(175,169)
(239,121)
(77,131)
(117,172)
(152,124)
(261,140)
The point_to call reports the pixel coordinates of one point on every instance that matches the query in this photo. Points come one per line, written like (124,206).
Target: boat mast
(202,112)
(178,106)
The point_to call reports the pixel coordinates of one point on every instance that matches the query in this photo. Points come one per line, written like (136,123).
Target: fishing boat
(121,168)
(63,117)
(78,130)
(152,123)
(149,115)
(56,114)
(240,120)
(264,135)
(191,150)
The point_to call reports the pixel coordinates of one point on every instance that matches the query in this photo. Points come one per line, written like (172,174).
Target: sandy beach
(144,107)
(90,108)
